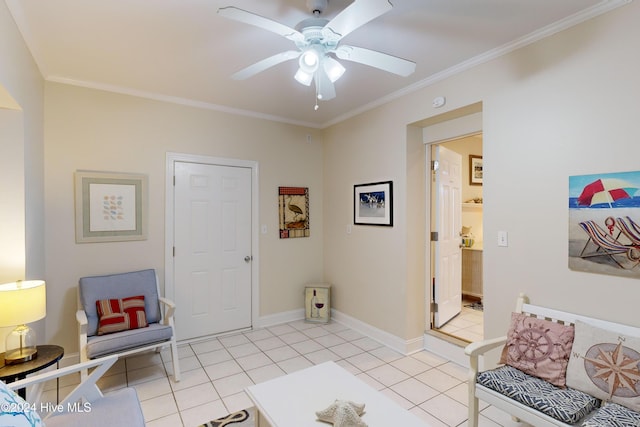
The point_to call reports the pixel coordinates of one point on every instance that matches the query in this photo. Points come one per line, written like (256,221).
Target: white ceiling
(181,50)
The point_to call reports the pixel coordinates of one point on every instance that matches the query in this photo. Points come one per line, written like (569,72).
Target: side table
(47,356)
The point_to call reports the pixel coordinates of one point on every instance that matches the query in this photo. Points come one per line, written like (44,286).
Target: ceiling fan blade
(372,58)
(259,66)
(250,18)
(324,86)
(354,16)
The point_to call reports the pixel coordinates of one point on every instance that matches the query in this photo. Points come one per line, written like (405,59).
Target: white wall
(564,106)
(95,130)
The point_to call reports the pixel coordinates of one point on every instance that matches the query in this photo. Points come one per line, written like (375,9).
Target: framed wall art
(475,170)
(293,206)
(604,223)
(110,207)
(373,204)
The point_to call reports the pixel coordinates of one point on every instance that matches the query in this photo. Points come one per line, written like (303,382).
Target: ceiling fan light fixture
(303,77)
(309,61)
(333,68)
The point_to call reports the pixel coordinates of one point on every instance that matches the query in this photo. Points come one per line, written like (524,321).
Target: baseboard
(396,343)
(279,318)
(445,348)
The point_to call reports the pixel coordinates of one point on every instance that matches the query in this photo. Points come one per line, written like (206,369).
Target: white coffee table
(292,400)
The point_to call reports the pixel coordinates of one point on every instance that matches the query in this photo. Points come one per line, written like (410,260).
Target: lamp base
(13,357)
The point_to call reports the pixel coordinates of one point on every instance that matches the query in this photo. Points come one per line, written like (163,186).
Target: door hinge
(174,251)
(174,180)
(434,236)
(435,165)
(434,307)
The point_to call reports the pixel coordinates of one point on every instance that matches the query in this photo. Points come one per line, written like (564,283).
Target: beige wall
(564,106)
(22,93)
(12,206)
(95,130)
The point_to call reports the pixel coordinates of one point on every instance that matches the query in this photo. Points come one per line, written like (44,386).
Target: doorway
(459,131)
(468,323)
(211,261)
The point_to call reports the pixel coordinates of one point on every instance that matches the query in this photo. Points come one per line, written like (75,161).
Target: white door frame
(172,158)
(466,125)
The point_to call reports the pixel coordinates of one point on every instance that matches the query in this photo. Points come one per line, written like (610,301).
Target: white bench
(516,409)
(85,405)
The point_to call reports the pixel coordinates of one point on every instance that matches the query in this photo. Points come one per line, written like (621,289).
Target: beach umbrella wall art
(604,223)
(606,190)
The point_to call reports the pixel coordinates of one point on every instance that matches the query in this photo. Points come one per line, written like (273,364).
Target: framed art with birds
(293,205)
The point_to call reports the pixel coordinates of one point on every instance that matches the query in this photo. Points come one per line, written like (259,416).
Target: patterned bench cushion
(564,404)
(613,415)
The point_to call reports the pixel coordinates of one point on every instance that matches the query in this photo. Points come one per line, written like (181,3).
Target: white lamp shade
(333,68)
(22,302)
(303,77)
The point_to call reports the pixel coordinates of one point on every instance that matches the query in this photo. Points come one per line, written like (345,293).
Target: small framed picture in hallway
(475,170)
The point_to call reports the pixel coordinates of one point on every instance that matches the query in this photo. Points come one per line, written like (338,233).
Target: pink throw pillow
(539,347)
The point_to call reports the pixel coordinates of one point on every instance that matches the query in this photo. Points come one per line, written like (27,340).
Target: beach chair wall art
(604,223)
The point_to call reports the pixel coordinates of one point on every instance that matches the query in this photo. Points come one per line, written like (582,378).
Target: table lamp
(22,302)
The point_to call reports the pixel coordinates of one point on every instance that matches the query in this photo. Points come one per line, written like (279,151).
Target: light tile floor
(215,372)
(468,325)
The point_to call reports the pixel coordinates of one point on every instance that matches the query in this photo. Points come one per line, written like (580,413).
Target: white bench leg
(174,359)
(473,411)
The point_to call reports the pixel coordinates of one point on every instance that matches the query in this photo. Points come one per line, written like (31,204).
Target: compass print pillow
(538,347)
(604,364)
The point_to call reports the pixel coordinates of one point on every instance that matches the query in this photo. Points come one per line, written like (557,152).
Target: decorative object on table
(22,302)
(604,223)
(373,204)
(343,413)
(317,303)
(475,170)
(467,237)
(477,200)
(293,205)
(243,418)
(110,207)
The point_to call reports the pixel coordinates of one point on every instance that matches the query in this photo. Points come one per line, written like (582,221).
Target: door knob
(247,258)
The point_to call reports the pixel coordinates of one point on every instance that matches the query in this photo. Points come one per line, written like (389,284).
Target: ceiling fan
(318,43)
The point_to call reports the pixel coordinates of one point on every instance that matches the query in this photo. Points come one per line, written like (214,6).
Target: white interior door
(212,239)
(448,253)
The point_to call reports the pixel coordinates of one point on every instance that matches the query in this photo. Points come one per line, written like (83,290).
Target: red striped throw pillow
(117,315)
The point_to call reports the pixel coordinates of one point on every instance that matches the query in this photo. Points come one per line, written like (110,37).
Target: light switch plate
(503,238)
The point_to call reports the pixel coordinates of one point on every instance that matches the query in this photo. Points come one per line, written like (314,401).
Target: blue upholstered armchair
(118,326)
